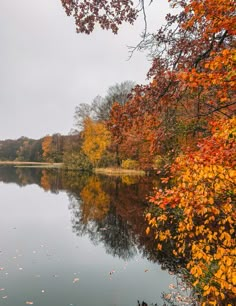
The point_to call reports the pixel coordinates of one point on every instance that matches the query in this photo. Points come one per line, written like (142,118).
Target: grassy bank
(118,171)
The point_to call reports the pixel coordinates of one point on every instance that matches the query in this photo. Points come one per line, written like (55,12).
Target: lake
(78,240)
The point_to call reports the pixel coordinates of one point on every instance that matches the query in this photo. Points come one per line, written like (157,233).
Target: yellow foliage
(96,139)
(95,202)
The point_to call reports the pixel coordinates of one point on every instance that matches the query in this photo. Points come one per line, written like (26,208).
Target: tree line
(47,149)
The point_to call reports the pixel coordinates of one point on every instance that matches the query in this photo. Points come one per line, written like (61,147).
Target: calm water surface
(76,240)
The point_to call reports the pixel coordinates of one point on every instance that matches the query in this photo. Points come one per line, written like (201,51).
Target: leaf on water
(5,297)
(29,303)
(75,280)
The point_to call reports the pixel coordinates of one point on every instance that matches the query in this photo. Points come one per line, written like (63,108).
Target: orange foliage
(47,146)
(44,181)
(201,204)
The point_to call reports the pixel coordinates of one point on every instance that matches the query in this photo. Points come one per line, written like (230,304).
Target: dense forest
(181,123)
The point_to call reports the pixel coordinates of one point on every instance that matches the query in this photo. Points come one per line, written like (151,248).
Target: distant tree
(47,148)
(82,111)
(21,149)
(24,151)
(36,150)
(53,147)
(99,109)
(119,93)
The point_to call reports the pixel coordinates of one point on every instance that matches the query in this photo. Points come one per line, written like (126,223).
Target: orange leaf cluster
(201,205)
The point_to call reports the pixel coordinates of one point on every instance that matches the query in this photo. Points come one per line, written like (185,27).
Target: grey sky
(47,69)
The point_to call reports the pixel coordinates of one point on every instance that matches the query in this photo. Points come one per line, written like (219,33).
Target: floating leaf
(75,280)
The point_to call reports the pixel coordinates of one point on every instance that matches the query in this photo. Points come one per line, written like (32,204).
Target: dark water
(70,239)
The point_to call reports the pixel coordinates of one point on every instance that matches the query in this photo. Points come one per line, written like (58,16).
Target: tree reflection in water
(110,210)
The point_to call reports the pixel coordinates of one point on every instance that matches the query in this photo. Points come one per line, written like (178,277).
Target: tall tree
(119,93)
(99,109)
(96,140)
(47,147)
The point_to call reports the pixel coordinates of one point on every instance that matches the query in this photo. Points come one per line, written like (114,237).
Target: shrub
(77,161)
(129,164)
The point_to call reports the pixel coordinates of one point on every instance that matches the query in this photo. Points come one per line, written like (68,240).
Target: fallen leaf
(29,303)
(75,280)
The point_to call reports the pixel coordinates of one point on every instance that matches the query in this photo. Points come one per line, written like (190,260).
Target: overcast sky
(46,69)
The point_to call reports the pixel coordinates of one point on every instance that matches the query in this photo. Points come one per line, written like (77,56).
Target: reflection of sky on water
(39,252)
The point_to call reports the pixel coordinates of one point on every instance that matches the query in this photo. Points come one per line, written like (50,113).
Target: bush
(129,164)
(108,159)
(77,161)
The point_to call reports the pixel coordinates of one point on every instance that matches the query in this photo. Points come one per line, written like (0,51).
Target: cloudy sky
(47,69)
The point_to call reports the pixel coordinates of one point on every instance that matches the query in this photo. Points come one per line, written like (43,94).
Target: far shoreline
(31,164)
(105,171)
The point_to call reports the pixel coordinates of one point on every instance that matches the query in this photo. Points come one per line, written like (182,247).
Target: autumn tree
(53,147)
(99,111)
(198,214)
(192,78)
(132,138)
(47,147)
(96,138)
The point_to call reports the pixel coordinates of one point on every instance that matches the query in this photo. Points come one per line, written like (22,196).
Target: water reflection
(107,209)
(110,210)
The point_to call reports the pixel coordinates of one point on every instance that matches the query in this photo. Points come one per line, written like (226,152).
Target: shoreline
(31,164)
(105,171)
